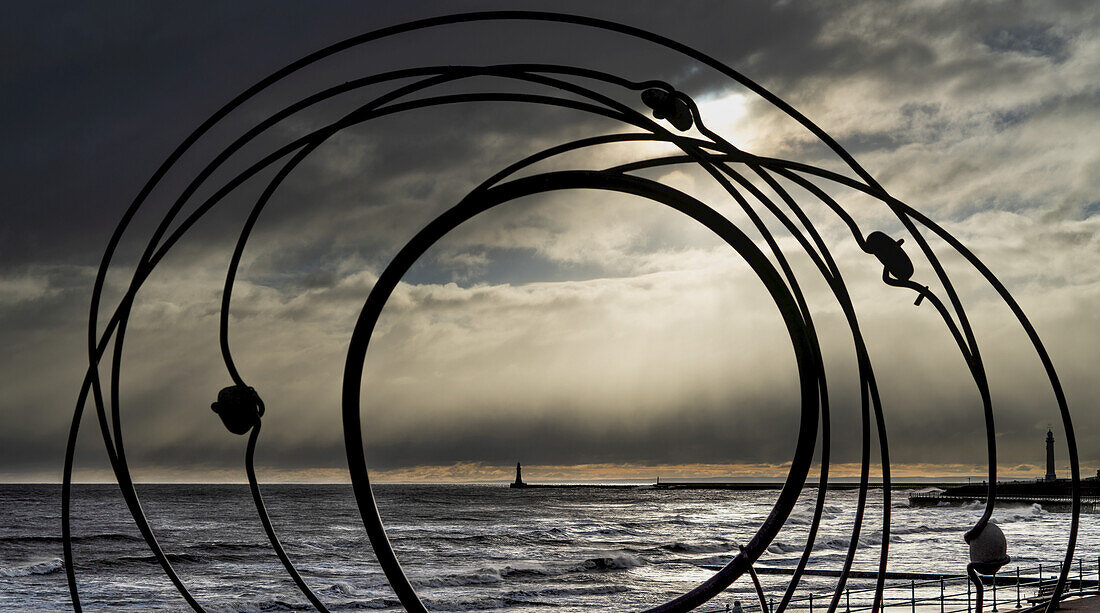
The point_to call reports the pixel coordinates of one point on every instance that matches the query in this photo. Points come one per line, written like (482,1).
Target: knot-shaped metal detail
(670,106)
(889,252)
(240,408)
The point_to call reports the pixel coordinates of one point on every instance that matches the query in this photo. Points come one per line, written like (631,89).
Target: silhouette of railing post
(941,594)
(994,593)
(968,597)
(1017,587)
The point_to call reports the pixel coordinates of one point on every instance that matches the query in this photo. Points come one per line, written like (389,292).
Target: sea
(477,547)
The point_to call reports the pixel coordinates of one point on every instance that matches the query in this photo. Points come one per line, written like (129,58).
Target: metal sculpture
(241,407)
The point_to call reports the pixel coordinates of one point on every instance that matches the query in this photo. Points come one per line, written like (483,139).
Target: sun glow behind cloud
(727,114)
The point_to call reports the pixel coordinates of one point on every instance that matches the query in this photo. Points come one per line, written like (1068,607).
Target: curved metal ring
(479,201)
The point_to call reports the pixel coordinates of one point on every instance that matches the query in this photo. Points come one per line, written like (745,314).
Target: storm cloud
(581,329)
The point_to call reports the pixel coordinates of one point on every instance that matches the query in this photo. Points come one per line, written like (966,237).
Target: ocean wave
(354,598)
(608,531)
(479,577)
(1022,513)
(260,606)
(214,551)
(234,546)
(805,518)
(926,529)
(611,561)
(543,597)
(836,542)
(781,547)
(490,575)
(340,588)
(181,558)
(555,535)
(615,562)
(47,567)
(581,590)
(680,547)
(713,561)
(86,538)
(528,571)
(466,604)
(927,490)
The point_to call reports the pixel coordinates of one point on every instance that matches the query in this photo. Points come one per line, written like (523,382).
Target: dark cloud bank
(561,330)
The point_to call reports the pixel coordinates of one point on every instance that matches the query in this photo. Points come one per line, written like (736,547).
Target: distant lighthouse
(519,478)
(1050,456)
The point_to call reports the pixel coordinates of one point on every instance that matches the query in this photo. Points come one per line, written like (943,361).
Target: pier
(775,485)
(1052,493)
(1089,504)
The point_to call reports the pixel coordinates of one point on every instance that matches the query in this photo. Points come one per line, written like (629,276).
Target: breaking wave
(47,567)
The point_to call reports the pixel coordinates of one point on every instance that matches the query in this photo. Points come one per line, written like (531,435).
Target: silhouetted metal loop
(479,201)
(241,408)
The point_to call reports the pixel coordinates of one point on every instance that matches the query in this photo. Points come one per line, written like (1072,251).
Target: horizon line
(622,480)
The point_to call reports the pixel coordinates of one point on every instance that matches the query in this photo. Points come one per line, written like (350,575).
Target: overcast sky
(585,334)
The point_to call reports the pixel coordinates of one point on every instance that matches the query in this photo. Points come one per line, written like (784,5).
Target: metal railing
(1018,588)
(1086,501)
